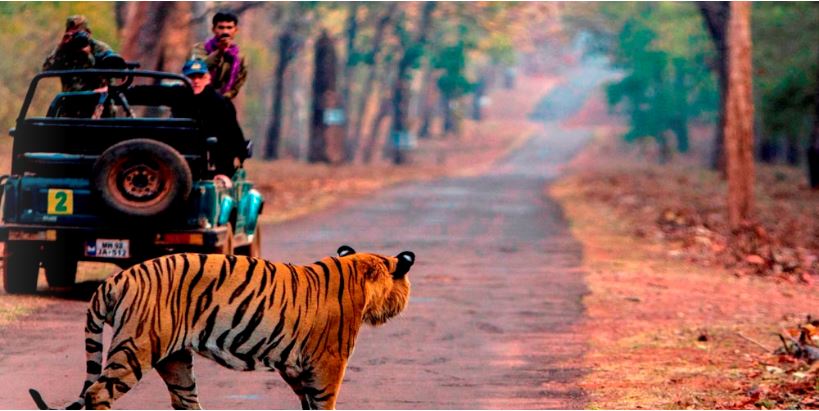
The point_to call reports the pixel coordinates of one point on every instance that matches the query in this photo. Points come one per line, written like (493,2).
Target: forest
(403,71)
(613,204)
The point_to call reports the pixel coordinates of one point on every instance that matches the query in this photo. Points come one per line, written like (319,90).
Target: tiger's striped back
(244,313)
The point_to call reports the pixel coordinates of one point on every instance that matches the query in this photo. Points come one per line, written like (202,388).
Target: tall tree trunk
(120,12)
(679,124)
(739,117)
(200,28)
(792,153)
(369,82)
(716,14)
(480,89)
(449,118)
(384,109)
(428,100)
(288,49)
(155,34)
(813,149)
(349,77)
(326,134)
(403,80)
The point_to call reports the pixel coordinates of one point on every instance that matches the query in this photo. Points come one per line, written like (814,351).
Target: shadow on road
(78,292)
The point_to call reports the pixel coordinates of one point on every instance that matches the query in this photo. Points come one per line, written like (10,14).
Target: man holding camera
(77,50)
(226,65)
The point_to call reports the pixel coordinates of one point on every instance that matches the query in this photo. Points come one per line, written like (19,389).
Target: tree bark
(813,149)
(716,14)
(449,119)
(349,76)
(369,82)
(155,35)
(326,138)
(428,100)
(739,117)
(384,107)
(288,47)
(120,11)
(403,79)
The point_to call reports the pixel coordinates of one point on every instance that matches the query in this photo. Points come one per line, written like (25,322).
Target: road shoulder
(665,332)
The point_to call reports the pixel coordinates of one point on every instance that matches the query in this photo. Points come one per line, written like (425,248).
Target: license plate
(108,248)
(60,201)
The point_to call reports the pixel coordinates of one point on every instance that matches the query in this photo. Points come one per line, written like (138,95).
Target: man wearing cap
(227,66)
(217,117)
(77,50)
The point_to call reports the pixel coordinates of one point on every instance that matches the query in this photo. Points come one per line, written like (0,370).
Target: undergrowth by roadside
(679,316)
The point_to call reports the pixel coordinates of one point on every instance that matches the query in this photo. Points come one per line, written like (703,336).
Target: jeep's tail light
(180,238)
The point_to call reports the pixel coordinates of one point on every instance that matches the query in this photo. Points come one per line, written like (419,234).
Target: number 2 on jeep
(60,201)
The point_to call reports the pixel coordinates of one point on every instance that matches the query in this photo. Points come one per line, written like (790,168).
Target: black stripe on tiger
(240,312)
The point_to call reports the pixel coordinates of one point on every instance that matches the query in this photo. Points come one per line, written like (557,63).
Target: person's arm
(98,47)
(212,59)
(233,131)
(240,79)
(53,61)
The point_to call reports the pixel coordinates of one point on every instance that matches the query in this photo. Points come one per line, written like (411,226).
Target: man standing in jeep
(218,118)
(77,50)
(226,64)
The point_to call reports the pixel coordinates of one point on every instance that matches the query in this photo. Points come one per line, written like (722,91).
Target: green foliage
(500,49)
(452,61)
(413,50)
(662,50)
(785,61)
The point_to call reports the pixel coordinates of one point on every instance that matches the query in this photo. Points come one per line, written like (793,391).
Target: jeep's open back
(117,174)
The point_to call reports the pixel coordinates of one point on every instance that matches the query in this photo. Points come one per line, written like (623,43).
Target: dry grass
(666,332)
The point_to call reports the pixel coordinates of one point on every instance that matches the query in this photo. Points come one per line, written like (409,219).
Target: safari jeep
(120,174)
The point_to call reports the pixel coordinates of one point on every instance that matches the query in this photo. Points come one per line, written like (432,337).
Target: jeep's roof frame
(91,72)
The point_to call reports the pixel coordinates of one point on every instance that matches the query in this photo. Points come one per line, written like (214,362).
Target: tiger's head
(386,286)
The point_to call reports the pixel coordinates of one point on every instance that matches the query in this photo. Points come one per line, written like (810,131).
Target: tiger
(244,313)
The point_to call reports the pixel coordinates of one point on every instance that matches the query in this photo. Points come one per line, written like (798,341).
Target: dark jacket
(63,59)
(218,118)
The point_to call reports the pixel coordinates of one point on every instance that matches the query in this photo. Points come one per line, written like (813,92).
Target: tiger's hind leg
(127,363)
(294,380)
(318,387)
(177,372)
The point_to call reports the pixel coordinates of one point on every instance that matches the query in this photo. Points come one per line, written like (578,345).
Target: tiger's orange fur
(244,313)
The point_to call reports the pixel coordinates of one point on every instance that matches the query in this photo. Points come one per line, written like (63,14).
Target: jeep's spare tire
(142,177)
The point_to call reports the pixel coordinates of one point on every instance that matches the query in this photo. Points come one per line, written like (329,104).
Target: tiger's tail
(98,311)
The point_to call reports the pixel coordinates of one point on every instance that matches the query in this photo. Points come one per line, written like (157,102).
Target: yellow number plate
(60,202)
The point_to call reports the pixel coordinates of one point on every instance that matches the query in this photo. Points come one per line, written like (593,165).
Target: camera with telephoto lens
(79,41)
(110,60)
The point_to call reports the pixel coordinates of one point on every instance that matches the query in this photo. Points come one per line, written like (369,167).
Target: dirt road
(496,292)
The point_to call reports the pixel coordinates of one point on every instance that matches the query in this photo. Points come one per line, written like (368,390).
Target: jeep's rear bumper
(143,244)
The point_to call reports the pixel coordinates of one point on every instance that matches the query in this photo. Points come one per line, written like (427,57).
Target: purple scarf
(232,51)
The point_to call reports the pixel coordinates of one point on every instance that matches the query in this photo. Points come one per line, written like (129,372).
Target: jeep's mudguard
(225,208)
(251,206)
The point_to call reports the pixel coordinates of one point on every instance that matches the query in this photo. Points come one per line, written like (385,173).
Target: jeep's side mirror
(249,148)
(212,141)
(12,131)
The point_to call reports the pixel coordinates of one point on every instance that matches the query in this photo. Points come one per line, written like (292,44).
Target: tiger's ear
(405,260)
(345,250)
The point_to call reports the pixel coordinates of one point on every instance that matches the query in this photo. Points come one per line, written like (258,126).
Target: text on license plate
(108,248)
